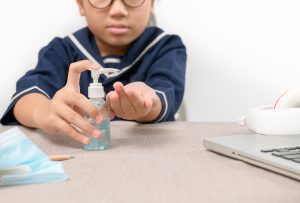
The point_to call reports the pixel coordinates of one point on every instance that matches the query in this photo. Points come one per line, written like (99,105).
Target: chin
(119,42)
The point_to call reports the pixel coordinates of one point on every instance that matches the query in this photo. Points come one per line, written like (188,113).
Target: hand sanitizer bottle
(97,96)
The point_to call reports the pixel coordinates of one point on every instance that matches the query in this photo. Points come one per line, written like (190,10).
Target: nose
(118,9)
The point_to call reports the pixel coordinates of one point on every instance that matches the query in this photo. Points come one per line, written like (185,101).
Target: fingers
(76,68)
(125,103)
(115,105)
(68,130)
(68,105)
(72,117)
(149,98)
(111,113)
(79,111)
(140,98)
(79,101)
(148,103)
(137,100)
(129,102)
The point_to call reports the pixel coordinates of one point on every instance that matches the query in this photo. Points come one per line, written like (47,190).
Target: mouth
(117,29)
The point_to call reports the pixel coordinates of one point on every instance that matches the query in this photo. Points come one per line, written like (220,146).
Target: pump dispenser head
(95,89)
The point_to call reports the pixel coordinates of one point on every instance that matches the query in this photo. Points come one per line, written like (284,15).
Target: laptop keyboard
(289,153)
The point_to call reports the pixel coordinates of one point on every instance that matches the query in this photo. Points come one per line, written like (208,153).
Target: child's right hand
(68,107)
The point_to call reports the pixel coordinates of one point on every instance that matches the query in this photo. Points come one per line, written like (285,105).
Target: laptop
(278,153)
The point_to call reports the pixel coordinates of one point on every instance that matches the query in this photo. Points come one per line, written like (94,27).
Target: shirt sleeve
(167,77)
(49,75)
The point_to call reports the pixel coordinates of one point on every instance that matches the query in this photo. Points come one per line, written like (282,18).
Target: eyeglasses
(101,4)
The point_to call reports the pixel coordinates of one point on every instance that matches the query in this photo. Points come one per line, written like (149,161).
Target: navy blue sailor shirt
(155,58)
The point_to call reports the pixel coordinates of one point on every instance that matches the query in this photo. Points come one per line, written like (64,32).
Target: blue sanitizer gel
(103,142)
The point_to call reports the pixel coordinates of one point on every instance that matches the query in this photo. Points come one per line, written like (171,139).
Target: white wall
(26,26)
(241,54)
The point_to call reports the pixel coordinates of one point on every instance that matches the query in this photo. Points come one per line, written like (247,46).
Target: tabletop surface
(164,162)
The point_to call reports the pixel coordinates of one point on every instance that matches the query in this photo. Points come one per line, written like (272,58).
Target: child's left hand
(135,101)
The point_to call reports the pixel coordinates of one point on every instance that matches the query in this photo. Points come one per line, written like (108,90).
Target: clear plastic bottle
(96,95)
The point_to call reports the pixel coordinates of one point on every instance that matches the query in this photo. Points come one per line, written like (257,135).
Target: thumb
(75,70)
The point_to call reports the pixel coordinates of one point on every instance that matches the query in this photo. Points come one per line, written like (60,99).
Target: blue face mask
(22,162)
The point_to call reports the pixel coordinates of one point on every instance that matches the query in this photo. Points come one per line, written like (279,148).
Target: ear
(81,7)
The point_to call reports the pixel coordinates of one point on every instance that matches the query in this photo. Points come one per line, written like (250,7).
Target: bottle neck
(97,98)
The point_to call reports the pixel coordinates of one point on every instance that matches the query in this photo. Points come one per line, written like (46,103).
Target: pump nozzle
(108,72)
(95,89)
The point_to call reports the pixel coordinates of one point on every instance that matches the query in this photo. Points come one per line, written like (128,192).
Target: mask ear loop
(17,170)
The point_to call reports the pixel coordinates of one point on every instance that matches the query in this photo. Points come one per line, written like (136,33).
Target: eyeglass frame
(111,2)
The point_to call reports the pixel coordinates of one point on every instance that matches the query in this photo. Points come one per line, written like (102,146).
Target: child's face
(117,25)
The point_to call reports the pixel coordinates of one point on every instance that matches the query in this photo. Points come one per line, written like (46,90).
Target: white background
(241,53)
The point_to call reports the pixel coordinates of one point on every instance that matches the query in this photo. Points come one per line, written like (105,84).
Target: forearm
(30,109)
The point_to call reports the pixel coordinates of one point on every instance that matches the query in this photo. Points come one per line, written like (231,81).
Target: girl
(149,87)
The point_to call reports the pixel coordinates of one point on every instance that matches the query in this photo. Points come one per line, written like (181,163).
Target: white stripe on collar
(82,49)
(85,52)
(111,60)
(90,57)
(154,42)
